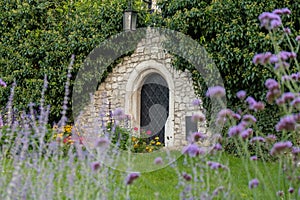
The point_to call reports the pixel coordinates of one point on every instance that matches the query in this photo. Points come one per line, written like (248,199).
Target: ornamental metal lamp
(129,20)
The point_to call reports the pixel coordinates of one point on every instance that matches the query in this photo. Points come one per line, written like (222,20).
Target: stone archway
(154,103)
(134,87)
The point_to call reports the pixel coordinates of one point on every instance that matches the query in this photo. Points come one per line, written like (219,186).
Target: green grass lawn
(161,184)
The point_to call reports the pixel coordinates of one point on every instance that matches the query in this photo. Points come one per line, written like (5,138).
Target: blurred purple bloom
(262,58)
(287,30)
(118,112)
(95,166)
(196,136)
(296,102)
(280,193)
(285,97)
(186,176)
(271,84)
(296,151)
(216,91)
(246,133)
(269,20)
(251,101)
(287,123)
(217,147)
(192,150)
(297,38)
(158,161)
(2,83)
(198,117)
(131,177)
(241,94)
(253,158)
(249,118)
(215,165)
(257,139)
(291,190)
(253,183)
(271,138)
(259,106)
(235,130)
(282,11)
(196,102)
(280,146)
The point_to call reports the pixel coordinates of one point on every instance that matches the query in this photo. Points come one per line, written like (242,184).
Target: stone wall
(121,89)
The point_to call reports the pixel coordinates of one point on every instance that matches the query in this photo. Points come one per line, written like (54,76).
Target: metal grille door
(154,106)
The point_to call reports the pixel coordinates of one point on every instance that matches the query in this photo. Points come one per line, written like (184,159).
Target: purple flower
(131,177)
(259,106)
(118,112)
(262,58)
(186,176)
(280,146)
(215,165)
(216,91)
(253,158)
(269,20)
(296,102)
(296,151)
(297,38)
(287,30)
(241,94)
(234,130)
(249,118)
(291,190)
(198,117)
(192,150)
(217,147)
(271,138)
(196,136)
(251,101)
(287,123)
(280,193)
(253,183)
(282,11)
(246,133)
(158,161)
(95,166)
(271,84)
(288,96)
(196,102)
(2,83)
(257,139)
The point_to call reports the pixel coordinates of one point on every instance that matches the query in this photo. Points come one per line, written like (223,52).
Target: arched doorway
(154,106)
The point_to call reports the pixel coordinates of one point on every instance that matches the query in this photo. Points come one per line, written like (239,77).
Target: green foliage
(38,37)
(229,31)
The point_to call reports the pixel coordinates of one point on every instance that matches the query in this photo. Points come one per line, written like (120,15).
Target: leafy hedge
(38,37)
(229,30)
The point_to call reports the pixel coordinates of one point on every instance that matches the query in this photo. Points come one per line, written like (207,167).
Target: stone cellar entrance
(154,109)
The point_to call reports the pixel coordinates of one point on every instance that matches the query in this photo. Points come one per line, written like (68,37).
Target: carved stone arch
(133,95)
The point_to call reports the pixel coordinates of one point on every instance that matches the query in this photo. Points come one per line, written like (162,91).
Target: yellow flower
(156,138)
(152,142)
(150,150)
(147,147)
(135,146)
(133,139)
(158,143)
(68,128)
